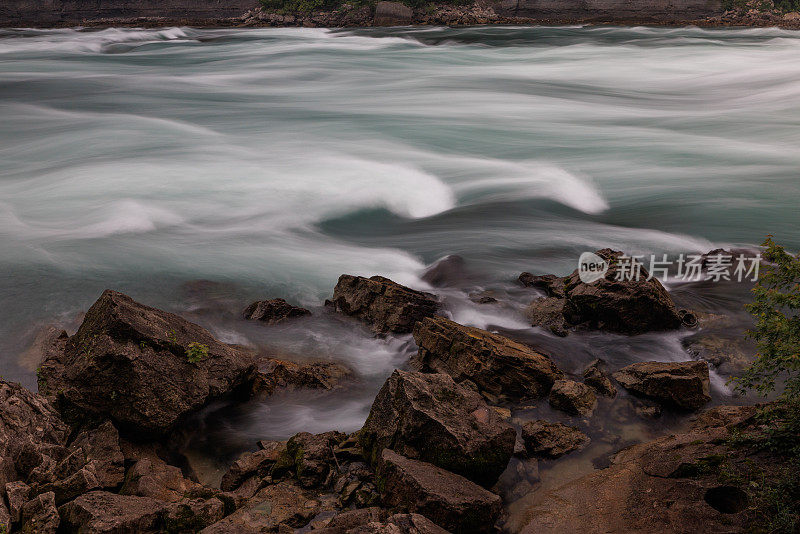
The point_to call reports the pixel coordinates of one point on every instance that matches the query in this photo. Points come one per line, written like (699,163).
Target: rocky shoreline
(98,449)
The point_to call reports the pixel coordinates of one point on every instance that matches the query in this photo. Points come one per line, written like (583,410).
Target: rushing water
(268,162)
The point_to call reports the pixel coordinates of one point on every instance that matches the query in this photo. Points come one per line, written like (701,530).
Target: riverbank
(748,14)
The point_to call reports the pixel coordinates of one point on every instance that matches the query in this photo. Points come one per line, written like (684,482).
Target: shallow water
(271,161)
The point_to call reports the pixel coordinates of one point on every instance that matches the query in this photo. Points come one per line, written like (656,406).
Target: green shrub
(196,352)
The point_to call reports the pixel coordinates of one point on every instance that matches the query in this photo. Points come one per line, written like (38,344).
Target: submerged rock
(551,440)
(383,304)
(449,500)
(682,385)
(116,364)
(278,374)
(595,377)
(429,417)
(572,397)
(273,311)
(626,306)
(500,367)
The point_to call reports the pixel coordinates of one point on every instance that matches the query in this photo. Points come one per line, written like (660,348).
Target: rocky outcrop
(572,397)
(595,377)
(273,311)
(143,368)
(625,306)
(660,486)
(500,367)
(551,440)
(449,500)
(681,385)
(429,417)
(383,304)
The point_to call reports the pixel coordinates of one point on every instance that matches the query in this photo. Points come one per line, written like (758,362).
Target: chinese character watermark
(683,268)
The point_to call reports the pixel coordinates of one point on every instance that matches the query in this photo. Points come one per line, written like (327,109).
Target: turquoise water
(269,162)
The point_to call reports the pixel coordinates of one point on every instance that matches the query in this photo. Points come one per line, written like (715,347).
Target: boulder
(258,463)
(5,518)
(402,523)
(392,14)
(116,364)
(383,304)
(32,436)
(681,385)
(500,367)
(548,313)
(274,375)
(595,377)
(572,397)
(625,306)
(40,515)
(153,478)
(429,417)
(450,271)
(310,458)
(551,440)
(100,511)
(273,311)
(449,500)
(355,486)
(346,521)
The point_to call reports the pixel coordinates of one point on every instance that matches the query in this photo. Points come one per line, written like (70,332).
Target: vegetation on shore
(308,6)
(774,489)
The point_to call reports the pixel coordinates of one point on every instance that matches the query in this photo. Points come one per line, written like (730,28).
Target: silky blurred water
(268,162)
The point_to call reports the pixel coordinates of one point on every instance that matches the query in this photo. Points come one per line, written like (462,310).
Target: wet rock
(383,304)
(552,285)
(595,377)
(548,313)
(193,515)
(32,436)
(40,514)
(449,500)
(278,374)
(154,478)
(258,463)
(623,306)
(660,486)
(310,458)
(450,271)
(114,367)
(572,397)
(730,354)
(500,367)
(392,14)
(551,440)
(482,298)
(101,511)
(284,503)
(356,486)
(429,417)
(682,385)
(273,311)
